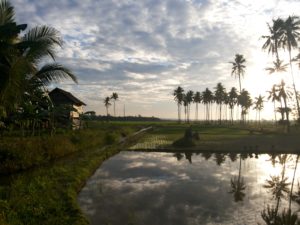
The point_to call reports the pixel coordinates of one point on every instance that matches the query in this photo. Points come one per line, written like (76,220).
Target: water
(186,188)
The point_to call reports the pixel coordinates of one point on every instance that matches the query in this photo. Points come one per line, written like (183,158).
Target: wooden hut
(70,107)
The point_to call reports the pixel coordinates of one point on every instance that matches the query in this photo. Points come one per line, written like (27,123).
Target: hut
(68,106)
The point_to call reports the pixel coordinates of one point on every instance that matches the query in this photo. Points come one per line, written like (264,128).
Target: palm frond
(40,42)
(54,72)
(7,13)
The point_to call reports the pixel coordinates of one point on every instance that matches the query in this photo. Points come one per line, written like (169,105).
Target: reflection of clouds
(155,188)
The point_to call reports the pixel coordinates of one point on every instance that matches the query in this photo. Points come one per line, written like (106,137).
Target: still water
(139,188)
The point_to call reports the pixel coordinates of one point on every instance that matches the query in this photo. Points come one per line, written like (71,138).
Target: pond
(188,188)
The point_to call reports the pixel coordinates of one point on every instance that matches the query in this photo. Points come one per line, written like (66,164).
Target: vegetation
(48,193)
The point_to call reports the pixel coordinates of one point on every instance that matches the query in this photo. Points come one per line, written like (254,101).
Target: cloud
(152,46)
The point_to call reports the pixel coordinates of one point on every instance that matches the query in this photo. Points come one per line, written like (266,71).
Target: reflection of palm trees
(238,185)
(188,156)
(220,158)
(206,155)
(178,155)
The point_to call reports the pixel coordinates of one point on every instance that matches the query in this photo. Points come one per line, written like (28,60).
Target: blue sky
(144,49)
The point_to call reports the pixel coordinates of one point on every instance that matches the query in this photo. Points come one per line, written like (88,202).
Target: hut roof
(61,96)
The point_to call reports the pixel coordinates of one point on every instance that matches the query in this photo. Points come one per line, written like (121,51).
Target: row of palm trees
(222,99)
(107,103)
(23,95)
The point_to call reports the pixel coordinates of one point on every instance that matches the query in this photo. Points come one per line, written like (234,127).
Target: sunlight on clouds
(154,46)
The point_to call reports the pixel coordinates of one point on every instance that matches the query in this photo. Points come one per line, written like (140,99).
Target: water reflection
(188,188)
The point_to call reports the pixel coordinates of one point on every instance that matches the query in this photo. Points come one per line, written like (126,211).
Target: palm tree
(259,105)
(290,37)
(284,95)
(197,100)
(20,58)
(278,66)
(219,98)
(273,40)
(207,98)
(178,96)
(107,104)
(245,102)
(115,97)
(273,97)
(232,101)
(238,68)
(189,99)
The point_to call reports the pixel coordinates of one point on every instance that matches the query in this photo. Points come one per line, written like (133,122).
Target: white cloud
(153,46)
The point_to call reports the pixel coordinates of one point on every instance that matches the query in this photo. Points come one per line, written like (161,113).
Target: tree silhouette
(232,97)
(290,36)
(273,97)
(107,104)
(178,96)
(220,98)
(197,100)
(115,97)
(259,105)
(238,68)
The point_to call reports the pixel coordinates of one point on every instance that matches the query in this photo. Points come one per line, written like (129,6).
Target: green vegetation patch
(47,194)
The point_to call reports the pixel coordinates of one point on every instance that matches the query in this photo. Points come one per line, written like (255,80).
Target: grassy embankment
(46,194)
(216,138)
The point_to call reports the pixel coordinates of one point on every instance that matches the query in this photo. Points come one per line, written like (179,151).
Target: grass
(47,194)
(218,138)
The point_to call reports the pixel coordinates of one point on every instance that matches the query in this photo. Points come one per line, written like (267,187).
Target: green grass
(222,138)
(47,194)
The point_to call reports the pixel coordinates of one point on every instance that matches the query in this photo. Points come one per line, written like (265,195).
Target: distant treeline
(119,118)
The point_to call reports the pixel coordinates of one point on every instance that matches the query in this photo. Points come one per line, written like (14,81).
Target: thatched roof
(60,96)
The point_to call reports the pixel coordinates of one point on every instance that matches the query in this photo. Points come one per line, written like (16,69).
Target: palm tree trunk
(275,112)
(114,108)
(294,86)
(178,105)
(291,192)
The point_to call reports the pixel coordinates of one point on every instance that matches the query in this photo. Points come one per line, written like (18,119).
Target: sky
(145,49)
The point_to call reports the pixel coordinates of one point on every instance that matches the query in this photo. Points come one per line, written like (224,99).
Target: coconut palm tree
(178,96)
(273,39)
(115,97)
(278,66)
(232,96)
(189,99)
(273,97)
(259,105)
(290,37)
(245,102)
(107,104)
(219,98)
(284,95)
(197,100)
(207,99)
(21,56)
(238,68)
